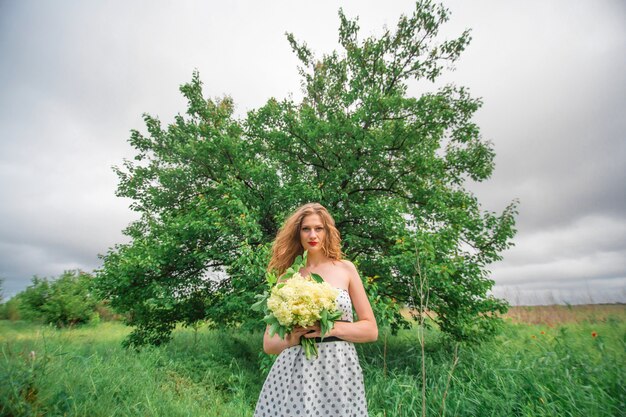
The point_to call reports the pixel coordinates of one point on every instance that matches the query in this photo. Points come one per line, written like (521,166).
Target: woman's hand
(318,332)
(298,332)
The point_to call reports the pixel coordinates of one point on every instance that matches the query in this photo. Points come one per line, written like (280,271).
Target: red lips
(312,243)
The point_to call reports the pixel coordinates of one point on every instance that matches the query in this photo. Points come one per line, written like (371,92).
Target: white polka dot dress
(330,385)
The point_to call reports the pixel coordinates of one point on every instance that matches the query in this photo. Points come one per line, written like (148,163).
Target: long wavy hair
(287,246)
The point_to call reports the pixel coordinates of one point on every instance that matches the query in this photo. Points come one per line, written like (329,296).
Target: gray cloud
(76,77)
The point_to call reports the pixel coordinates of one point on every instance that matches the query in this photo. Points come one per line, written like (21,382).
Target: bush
(10,310)
(30,302)
(65,301)
(105,312)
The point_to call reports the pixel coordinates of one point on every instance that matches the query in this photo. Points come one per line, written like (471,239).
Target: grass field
(573,366)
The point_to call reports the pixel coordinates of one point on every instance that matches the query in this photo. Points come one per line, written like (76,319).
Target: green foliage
(213,190)
(65,301)
(33,298)
(11,309)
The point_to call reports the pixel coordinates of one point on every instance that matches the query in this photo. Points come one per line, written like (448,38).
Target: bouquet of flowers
(300,301)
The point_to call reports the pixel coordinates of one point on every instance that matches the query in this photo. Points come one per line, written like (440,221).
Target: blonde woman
(332,383)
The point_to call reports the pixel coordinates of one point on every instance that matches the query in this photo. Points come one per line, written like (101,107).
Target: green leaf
(317,278)
(275,327)
(258,306)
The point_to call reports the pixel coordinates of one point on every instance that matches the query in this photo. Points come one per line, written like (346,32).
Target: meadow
(541,364)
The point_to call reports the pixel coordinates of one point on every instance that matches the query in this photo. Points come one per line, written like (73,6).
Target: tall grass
(564,371)
(85,372)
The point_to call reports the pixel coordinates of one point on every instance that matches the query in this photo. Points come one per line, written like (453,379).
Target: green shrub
(10,310)
(33,298)
(65,301)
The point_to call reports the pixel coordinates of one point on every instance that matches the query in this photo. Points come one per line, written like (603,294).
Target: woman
(331,384)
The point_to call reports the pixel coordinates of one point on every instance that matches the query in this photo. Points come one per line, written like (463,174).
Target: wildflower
(300,301)
(594,334)
(542,332)
(32,355)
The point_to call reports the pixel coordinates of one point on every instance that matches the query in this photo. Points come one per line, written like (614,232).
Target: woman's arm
(273,345)
(363,330)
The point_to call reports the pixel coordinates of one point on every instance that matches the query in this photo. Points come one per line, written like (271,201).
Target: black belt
(328,338)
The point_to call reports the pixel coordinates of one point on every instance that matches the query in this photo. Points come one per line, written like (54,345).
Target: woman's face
(312,233)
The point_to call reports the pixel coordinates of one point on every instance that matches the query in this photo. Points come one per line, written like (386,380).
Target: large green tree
(213,189)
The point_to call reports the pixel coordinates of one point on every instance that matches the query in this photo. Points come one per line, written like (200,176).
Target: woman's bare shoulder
(346,264)
(349,270)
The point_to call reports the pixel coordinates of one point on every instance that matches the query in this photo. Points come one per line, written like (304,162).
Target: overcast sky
(76,76)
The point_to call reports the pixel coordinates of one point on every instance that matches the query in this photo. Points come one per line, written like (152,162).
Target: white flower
(300,301)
